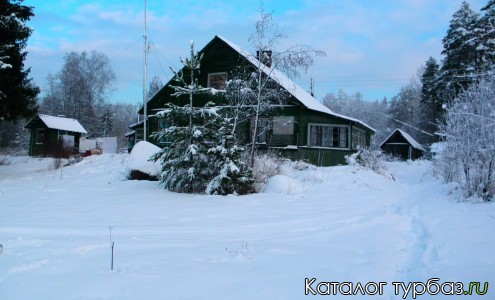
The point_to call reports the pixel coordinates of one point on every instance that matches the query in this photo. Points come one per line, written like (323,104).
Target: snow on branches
(469,132)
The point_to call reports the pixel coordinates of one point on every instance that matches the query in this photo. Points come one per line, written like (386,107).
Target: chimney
(265,57)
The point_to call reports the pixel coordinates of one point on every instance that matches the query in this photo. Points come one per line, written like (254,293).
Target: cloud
(371,46)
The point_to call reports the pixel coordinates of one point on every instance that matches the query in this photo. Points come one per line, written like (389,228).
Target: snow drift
(139,166)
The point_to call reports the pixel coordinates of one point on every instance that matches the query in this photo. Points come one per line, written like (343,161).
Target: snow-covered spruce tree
(490,4)
(486,39)
(461,63)
(234,176)
(186,163)
(203,155)
(431,103)
(17,92)
(469,131)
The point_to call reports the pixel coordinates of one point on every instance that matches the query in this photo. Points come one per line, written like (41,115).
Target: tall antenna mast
(145,71)
(312,87)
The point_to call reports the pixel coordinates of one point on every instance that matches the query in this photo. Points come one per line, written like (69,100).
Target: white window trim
(349,137)
(352,134)
(217,73)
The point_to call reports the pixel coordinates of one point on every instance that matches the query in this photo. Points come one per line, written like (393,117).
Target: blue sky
(372,46)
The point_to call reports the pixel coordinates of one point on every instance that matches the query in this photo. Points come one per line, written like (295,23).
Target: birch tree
(267,59)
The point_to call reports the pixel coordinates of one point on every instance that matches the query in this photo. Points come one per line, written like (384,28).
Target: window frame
(263,134)
(40,132)
(360,134)
(339,126)
(217,74)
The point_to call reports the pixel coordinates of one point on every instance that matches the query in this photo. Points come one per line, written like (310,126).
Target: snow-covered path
(348,225)
(447,238)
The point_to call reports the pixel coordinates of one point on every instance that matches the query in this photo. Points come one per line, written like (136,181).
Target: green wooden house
(54,136)
(301,128)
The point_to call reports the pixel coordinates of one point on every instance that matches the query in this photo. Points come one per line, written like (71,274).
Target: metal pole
(145,71)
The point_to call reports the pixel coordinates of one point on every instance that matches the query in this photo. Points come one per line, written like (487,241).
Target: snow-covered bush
(4,160)
(369,159)
(468,156)
(266,166)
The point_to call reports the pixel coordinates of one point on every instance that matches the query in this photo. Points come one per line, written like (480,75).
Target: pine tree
(431,101)
(462,60)
(490,4)
(17,92)
(106,119)
(486,39)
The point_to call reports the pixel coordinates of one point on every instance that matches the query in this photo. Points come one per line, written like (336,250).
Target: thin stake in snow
(111,267)
(112,243)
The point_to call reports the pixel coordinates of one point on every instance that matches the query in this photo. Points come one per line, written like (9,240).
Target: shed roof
(408,138)
(60,123)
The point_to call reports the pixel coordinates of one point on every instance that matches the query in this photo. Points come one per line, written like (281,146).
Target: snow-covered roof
(134,125)
(409,139)
(298,92)
(130,133)
(62,123)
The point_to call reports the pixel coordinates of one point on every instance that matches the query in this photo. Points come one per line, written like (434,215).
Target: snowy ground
(347,225)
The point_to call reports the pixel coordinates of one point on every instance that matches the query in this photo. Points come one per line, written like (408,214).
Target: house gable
(289,126)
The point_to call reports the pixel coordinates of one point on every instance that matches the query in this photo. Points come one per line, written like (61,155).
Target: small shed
(54,136)
(401,144)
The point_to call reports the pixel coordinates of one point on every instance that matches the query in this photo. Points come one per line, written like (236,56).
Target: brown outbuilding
(402,145)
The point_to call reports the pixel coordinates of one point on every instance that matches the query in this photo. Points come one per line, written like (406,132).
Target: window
(331,136)
(217,80)
(139,134)
(262,132)
(164,124)
(358,138)
(283,125)
(40,136)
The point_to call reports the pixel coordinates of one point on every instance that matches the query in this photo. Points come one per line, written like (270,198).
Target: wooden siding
(315,156)
(51,145)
